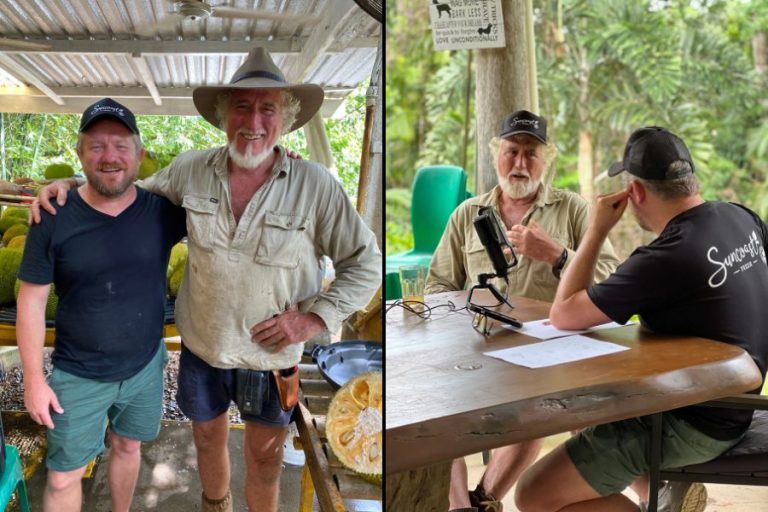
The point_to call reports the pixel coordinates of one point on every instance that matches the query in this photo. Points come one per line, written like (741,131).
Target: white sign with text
(465,24)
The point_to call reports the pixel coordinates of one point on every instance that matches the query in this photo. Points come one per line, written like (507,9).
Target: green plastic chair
(12,480)
(437,191)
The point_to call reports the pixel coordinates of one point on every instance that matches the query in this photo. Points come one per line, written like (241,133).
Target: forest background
(605,68)
(31,142)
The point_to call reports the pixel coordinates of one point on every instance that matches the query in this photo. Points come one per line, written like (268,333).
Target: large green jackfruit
(149,165)
(9,221)
(178,257)
(174,282)
(15,211)
(59,170)
(50,306)
(14,231)
(17,242)
(10,261)
(353,425)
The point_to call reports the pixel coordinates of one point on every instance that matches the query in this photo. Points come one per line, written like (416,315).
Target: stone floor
(722,498)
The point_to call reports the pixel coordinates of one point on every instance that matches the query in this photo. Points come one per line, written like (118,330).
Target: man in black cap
(106,251)
(704,275)
(545,226)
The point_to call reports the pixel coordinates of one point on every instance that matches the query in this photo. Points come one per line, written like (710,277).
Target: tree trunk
(584,166)
(506,81)
(759,53)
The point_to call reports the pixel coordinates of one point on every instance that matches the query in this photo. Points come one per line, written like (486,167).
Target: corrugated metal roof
(145,52)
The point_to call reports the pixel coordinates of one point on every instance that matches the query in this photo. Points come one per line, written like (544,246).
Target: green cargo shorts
(612,456)
(132,406)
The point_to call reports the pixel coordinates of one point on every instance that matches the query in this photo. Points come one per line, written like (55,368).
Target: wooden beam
(22,74)
(146,75)
(321,39)
(152,47)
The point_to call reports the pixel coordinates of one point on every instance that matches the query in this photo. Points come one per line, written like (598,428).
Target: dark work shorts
(205,392)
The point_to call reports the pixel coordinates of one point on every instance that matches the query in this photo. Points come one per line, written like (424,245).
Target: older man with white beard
(545,226)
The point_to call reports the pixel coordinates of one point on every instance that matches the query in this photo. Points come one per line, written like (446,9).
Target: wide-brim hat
(260,72)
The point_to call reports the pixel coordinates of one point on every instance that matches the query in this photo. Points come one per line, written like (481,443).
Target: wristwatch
(560,263)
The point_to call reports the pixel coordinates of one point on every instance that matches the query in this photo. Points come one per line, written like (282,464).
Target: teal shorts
(612,456)
(133,407)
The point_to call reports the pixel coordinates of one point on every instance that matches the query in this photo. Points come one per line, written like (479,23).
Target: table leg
(424,489)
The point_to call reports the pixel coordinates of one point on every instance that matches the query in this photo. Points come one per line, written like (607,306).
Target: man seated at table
(545,226)
(704,275)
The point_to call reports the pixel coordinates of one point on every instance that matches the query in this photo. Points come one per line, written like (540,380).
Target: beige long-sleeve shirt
(239,274)
(460,256)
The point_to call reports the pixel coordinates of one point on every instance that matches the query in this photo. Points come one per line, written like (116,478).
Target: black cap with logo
(108,108)
(649,153)
(522,121)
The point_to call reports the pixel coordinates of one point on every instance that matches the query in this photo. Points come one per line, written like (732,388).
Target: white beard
(247,161)
(518,190)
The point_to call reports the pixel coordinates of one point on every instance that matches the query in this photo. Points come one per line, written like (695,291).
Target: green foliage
(345,136)
(399,235)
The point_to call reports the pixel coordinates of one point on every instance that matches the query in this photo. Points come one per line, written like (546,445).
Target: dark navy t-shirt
(705,275)
(110,276)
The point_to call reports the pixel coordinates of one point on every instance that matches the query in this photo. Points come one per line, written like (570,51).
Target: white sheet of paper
(543,330)
(556,351)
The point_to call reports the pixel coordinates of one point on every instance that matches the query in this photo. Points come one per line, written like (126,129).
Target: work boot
(222,505)
(682,497)
(484,501)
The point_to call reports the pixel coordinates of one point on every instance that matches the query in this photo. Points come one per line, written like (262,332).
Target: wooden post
(506,81)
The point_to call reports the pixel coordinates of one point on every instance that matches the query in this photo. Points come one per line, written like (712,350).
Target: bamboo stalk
(20,198)
(9,203)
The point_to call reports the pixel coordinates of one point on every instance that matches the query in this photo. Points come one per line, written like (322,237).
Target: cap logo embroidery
(530,122)
(106,108)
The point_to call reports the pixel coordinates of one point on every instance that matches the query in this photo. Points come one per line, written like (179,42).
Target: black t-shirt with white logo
(705,275)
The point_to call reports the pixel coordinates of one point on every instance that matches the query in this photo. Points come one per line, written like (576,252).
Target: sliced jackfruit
(354,425)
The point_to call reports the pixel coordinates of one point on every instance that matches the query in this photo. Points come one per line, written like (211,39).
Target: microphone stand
(484,284)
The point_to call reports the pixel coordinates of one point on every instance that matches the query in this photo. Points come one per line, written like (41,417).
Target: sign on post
(465,24)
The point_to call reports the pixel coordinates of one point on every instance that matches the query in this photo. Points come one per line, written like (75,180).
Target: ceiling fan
(198,10)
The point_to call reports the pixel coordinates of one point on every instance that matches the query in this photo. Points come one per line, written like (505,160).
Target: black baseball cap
(522,121)
(649,152)
(108,108)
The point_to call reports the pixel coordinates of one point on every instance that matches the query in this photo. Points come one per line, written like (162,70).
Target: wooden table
(445,399)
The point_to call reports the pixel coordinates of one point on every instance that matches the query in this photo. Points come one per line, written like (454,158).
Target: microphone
(492,237)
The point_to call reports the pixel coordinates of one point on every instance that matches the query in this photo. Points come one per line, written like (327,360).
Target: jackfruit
(10,261)
(56,171)
(14,231)
(17,242)
(11,220)
(174,282)
(50,306)
(178,257)
(149,165)
(353,425)
(15,212)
